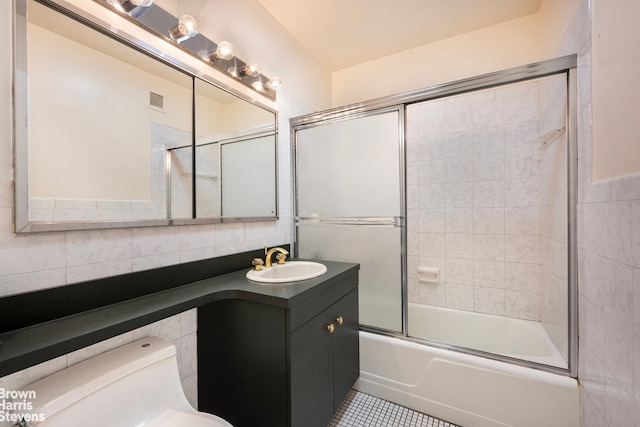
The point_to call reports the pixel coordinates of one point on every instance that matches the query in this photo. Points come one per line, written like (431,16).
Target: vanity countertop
(34,344)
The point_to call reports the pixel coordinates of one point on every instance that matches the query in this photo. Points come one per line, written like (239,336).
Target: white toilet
(136,385)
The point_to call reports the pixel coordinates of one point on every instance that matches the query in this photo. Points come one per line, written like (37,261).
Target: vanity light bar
(183,32)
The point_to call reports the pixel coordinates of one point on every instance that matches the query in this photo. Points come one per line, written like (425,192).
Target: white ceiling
(342,33)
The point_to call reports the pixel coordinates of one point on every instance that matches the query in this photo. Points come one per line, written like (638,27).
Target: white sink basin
(291,271)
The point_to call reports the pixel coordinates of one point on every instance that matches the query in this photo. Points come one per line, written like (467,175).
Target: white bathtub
(522,339)
(467,390)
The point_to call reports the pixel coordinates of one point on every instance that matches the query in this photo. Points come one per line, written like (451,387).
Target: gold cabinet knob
(339,320)
(331,328)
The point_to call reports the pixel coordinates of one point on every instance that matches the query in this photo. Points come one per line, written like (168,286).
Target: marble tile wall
(474,188)
(608,267)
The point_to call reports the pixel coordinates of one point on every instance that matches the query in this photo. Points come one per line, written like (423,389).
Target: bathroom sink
(291,271)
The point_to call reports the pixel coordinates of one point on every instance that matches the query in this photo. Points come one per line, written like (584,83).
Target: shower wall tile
(431,147)
(488,167)
(523,220)
(459,296)
(431,171)
(465,159)
(488,194)
(490,301)
(458,220)
(430,220)
(431,196)
(489,247)
(433,294)
(458,195)
(522,248)
(432,245)
(458,144)
(490,274)
(523,305)
(459,271)
(458,169)
(617,232)
(489,220)
(488,140)
(522,277)
(459,245)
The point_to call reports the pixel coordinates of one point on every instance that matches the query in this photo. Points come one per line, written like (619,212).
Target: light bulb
(223,51)
(251,69)
(187,27)
(257,85)
(275,83)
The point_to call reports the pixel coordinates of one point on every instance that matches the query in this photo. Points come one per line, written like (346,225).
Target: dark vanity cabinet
(273,366)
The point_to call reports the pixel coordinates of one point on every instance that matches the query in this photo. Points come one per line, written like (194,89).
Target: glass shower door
(350,205)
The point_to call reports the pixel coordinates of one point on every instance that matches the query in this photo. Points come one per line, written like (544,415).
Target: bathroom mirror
(108,135)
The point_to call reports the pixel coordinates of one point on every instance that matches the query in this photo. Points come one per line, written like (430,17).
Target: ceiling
(343,33)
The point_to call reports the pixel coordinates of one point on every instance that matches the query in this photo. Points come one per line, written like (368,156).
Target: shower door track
(563,65)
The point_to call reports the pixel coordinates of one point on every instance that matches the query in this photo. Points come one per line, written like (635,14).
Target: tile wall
(608,267)
(475,188)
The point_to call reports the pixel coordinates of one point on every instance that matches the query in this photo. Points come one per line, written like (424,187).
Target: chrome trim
(498,78)
(22,223)
(572,184)
(390,221)
(567,65)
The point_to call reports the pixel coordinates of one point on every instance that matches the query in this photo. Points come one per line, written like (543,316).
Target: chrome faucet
(282,255)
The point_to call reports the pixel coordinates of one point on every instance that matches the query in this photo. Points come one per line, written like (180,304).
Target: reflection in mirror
(100,116)
(248,175)
(236,146)
(106,131)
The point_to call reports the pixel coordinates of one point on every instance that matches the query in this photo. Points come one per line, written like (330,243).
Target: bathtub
(522,339)
(467,390)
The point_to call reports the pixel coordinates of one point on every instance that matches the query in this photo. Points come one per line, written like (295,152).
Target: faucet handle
(281,258)
(257,264)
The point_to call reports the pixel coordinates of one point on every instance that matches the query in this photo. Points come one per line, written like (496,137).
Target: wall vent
(156,100)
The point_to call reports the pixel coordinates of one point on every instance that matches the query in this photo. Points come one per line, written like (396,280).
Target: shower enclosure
(459,203)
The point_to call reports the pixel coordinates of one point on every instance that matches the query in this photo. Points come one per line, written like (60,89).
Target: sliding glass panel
(488,220)
(378,250)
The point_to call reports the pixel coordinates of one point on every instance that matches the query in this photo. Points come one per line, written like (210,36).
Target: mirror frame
(104,21)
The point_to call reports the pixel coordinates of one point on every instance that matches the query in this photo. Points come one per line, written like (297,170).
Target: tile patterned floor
(363,410)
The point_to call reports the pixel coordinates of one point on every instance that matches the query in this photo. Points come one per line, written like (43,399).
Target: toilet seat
(172,418)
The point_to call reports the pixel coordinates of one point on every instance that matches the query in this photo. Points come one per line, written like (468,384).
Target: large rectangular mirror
(108,135)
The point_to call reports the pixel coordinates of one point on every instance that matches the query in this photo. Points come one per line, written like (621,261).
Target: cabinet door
(346,346)
(311,352)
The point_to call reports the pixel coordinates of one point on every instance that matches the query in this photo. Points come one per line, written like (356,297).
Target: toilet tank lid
(66,387)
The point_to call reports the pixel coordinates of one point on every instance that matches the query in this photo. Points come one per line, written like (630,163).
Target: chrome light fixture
(186,28)
(224,50)
(221,58)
